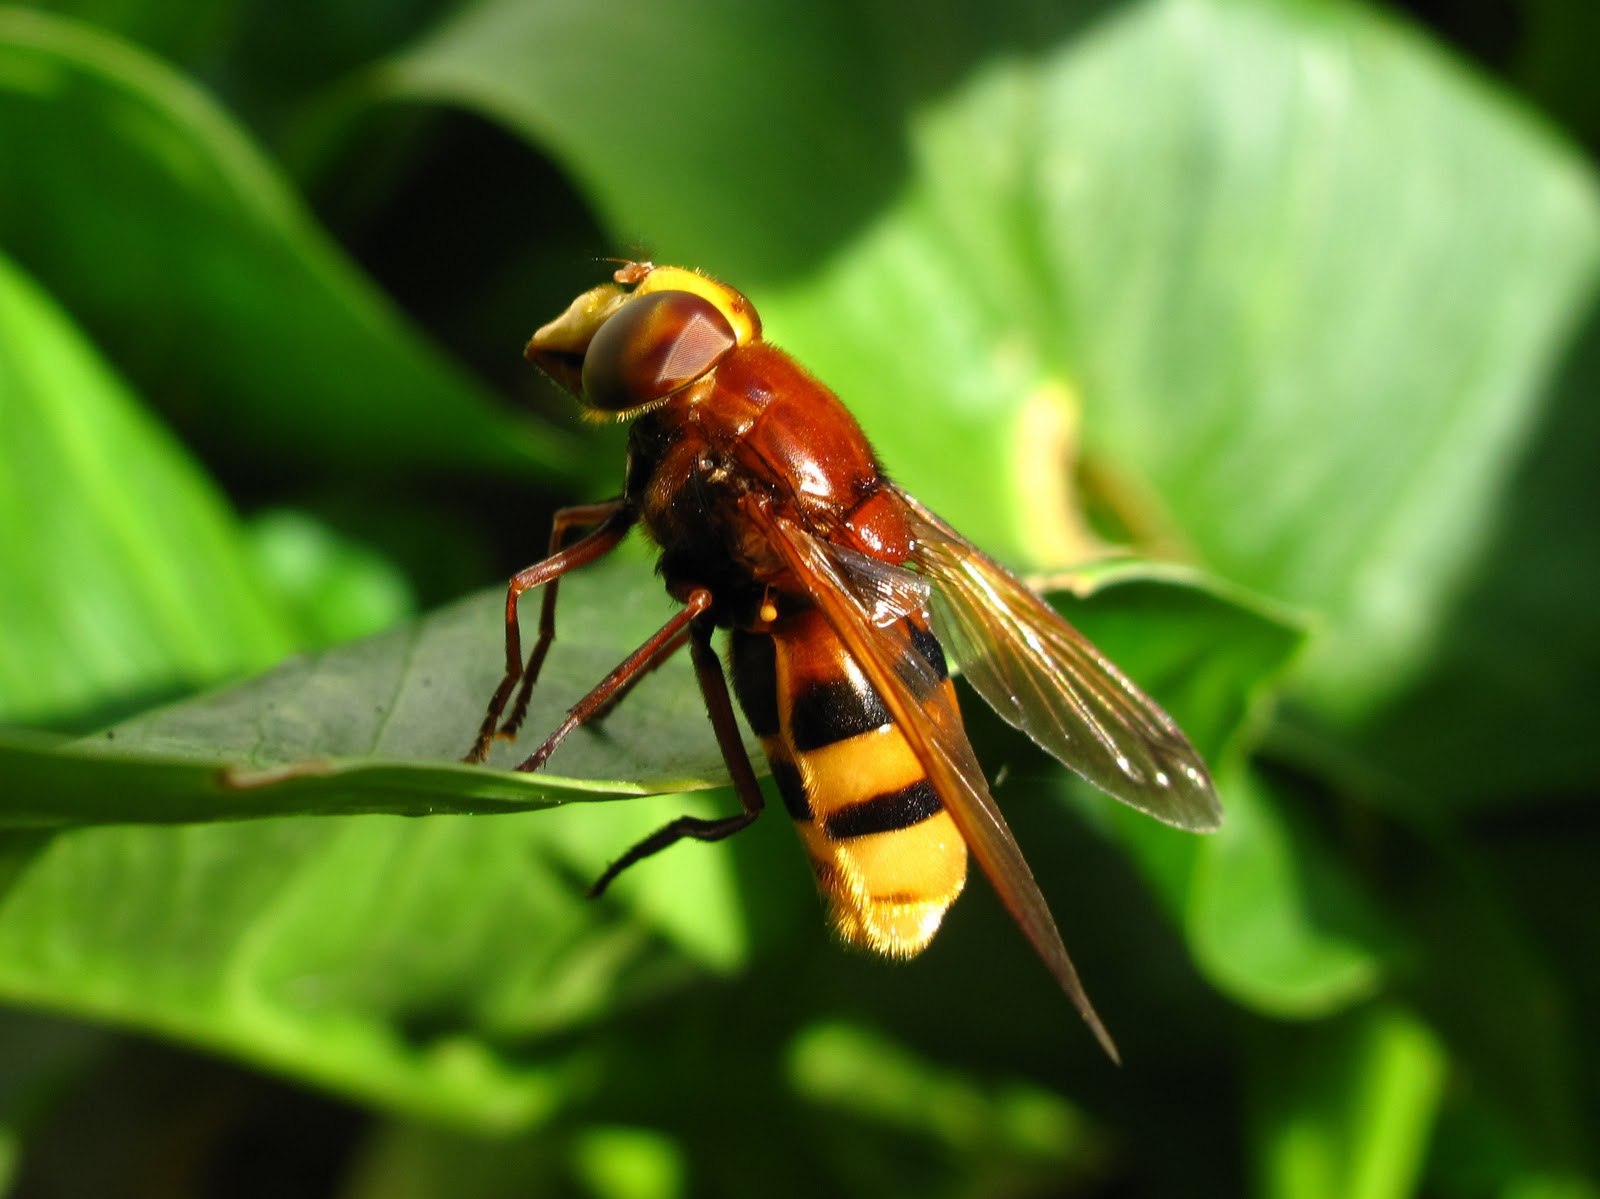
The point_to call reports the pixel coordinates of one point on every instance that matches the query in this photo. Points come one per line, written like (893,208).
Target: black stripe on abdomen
(836,710)
(884,813)
(927,645)
(791,788)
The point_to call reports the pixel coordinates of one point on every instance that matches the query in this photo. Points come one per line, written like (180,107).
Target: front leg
(614,518)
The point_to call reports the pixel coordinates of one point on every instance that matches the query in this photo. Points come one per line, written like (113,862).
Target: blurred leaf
(263,57)
(380,957)
(192,34)
(1211,653)
(1247,271)
(1346,1113)
(1536,1185)
(1517,1037)
(874,1117)
(1551,65)
(1507,710)
(125,577)
(336,589)
(327,891)
(628,1163)
(146,211)
(1238,231)
(1478,1150)
(1275,917)
(1011,1130)
(1542,865)
(805,73)
(875,1081)
(423,965)
(43,1058)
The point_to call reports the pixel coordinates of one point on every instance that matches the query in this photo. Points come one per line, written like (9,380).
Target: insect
(843,595)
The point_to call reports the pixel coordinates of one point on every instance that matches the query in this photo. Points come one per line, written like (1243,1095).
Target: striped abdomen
(886,854)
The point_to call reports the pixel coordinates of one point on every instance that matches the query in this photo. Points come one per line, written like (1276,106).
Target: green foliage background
(1283,295)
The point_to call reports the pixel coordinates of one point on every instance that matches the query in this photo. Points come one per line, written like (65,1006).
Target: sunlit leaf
(1233,236)
(1279,292)
(125,577)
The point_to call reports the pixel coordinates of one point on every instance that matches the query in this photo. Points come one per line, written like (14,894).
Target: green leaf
(125,575)
(388,958)
(863,1072)
(262,58)
(729,184)
(1275,918)
(380,726)
(629,1163)
(318,900)
(1507,707)
(1236,234)
(874,1083)
(336,588)
(1346,1113)
(1211,653)
(412,963)
(409,962)
(1219,221)
(1499,987)
(879,1116)
(43,1057)
(151,216)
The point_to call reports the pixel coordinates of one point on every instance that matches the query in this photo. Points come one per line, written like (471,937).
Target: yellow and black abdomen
(886,854)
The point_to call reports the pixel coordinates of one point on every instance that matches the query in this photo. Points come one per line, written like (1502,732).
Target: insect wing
(1044,677)
(886,592)
(936,736)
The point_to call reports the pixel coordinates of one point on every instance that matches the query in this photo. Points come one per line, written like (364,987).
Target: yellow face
(624,346)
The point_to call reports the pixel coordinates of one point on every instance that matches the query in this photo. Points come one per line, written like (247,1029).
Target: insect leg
(621,693)
(663,643)
(565,519)
(720,708)
(615,518)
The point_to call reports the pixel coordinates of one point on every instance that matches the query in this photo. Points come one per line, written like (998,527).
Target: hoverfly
(843,595)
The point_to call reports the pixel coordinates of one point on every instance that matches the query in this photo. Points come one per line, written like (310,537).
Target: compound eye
(653,346)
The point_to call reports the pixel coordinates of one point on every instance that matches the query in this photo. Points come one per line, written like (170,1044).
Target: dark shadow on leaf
(18,849)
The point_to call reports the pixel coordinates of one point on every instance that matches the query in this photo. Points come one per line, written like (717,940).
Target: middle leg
(662,644)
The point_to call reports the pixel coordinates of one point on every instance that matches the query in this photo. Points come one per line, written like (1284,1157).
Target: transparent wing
(885,591)
(936,736)
(1044,677)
